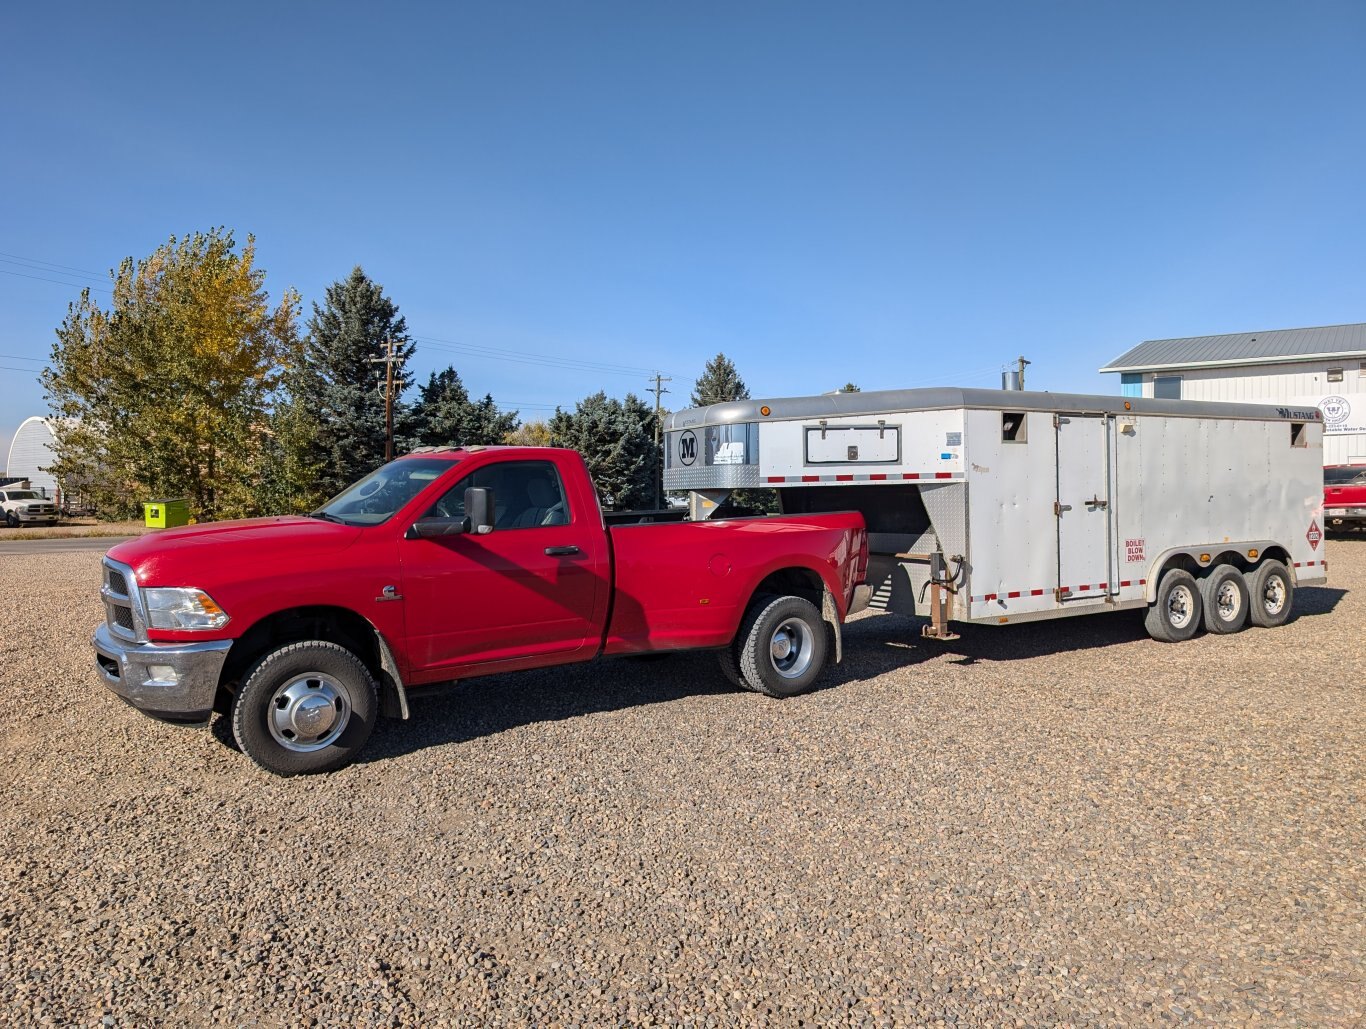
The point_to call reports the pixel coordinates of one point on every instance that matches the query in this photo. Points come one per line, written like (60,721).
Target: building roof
(1271,347)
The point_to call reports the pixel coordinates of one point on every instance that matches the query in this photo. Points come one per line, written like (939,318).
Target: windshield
(378,496)
(1343,475)
(22,494)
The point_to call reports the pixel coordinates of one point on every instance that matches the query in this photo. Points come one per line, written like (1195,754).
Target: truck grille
(122,607)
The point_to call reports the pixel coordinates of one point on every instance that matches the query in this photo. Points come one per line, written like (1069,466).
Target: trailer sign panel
(1313,535)
(1134,551)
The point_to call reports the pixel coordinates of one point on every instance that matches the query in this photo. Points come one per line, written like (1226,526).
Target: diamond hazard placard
(1313,535)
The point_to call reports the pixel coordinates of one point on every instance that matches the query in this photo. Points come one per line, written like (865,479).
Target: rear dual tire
(781,648)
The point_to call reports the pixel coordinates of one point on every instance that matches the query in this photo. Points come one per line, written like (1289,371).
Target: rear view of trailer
(996,507)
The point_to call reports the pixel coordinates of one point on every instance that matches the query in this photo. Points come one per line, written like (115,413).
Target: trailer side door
(1084,507)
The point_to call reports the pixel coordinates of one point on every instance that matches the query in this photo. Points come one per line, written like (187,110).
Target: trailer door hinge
(1061,593)
(1058,509)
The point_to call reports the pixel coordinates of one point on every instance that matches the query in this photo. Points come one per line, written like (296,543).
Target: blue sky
(566,197)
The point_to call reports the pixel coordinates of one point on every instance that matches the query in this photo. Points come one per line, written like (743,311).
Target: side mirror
(478,518)
(479,510)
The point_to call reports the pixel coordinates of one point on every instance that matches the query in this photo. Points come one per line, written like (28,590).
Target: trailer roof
(1275,346)
(899,401)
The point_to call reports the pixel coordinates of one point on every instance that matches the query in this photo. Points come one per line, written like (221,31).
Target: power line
(20,357)
(543,360)
(50,264)
(8,368)
(44,278)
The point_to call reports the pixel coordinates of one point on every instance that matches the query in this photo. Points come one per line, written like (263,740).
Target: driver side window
(526,495)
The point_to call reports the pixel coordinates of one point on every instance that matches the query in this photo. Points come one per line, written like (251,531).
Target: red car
(1344,496)
(446,564)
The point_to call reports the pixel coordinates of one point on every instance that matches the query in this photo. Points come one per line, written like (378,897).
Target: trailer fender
(830,612)
(1198,558)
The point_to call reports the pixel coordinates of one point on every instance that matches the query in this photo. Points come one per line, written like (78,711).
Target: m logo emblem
(687,448)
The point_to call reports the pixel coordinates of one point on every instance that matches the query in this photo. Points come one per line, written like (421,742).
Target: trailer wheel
(782,646)
(1175,615)
(1223,594)
(1271,594)
(304,708)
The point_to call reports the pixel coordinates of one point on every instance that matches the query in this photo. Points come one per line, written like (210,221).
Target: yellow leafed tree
(168,392)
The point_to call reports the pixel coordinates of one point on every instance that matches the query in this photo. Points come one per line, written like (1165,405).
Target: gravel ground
(1058,823)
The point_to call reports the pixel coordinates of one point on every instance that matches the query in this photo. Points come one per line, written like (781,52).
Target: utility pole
(1021,362)
(388,361)
(658,390)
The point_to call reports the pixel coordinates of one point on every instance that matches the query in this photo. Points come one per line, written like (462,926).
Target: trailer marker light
(1253,554)
(765,411)
(1128,406)
(1204,559)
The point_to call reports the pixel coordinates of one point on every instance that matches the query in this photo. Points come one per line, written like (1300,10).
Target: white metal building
(30,456)
(1322,367)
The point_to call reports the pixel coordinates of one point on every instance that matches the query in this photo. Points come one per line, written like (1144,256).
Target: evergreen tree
(444,415)
(617,443)
(719,383)
(849,387)
(344,385)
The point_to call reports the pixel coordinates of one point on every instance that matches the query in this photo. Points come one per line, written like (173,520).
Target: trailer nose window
(1299,437)
(714,445)
(1013,426)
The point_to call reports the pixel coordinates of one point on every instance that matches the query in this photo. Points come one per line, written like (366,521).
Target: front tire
(1271,594)
(1223,594)
(305,708)
(1175,615)
(782,646)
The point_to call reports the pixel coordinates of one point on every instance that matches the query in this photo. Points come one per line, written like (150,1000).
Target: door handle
(1096,502)
(560,551)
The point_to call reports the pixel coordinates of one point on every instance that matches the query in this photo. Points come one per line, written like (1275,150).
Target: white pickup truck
(26,507)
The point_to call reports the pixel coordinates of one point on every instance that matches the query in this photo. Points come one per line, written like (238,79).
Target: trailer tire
(1223,594)
(1271,594)
(1175,615)
(278,721)
(782,646)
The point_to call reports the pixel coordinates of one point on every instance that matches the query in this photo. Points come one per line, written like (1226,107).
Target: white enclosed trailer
(997,506)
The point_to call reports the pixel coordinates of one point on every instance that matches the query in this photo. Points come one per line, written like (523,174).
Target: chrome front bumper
(175,682)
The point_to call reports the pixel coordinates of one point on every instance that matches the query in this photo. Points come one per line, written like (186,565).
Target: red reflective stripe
(943,475)
(910,475)
(1037,593)
(1013,594)
(844,478)
(811,478)
(990,596)
(775,478)
(879,477)
(1125,582)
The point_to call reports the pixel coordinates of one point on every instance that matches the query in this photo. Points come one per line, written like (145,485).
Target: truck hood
(183,557)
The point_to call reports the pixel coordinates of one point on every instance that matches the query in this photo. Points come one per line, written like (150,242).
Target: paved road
(59,546)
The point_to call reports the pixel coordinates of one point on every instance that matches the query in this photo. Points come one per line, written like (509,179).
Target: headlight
(182,608)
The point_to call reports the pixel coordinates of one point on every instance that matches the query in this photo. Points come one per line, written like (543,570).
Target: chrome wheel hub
(308,713)
(790,649)
(1228,602)
(1180,607)
(1273,597)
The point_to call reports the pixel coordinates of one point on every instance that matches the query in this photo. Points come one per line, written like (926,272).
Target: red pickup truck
(1344,495)
(450,563)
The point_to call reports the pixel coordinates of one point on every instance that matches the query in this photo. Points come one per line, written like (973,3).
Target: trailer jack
(941,586)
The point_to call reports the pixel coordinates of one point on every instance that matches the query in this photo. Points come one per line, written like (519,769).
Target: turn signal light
(1253,554)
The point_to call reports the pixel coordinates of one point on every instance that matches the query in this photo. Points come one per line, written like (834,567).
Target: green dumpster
(166,514)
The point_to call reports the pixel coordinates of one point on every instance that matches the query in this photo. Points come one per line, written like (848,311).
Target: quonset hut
(31,455)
